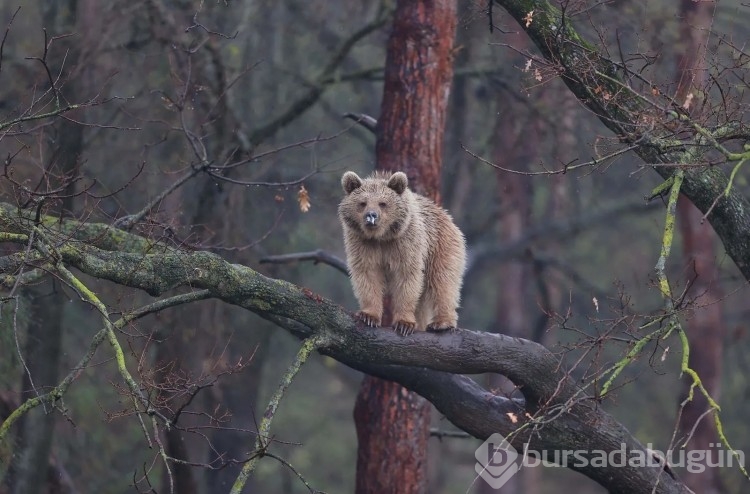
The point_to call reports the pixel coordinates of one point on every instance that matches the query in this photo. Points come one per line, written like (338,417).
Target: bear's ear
(350,182)
(398,182)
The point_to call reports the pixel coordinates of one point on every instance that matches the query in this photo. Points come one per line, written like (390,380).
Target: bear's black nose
(371,218)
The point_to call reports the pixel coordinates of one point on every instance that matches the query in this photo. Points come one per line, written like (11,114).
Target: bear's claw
(404,328)
(368,319)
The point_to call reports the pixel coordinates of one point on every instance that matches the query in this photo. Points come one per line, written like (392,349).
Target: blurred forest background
(560,258)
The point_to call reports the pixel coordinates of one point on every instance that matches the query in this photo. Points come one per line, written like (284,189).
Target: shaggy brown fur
(401,244)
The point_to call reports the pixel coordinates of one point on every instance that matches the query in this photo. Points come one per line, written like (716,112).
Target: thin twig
(98,338)
(263,439)
(315,256)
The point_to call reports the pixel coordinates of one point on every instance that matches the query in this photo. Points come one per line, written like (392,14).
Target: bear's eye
(362,204)
(382,205)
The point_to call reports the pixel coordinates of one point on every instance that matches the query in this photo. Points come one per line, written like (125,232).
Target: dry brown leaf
(512,416)
(528,18)
(167,103)
(688,101)
(304,199)
(527,67)
(537,75)
(278,198)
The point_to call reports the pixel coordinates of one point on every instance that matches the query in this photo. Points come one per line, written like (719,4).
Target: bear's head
(377,207)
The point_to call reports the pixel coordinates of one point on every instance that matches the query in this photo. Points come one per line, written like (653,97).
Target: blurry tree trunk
(549,282)
(704,325)
(169,353)
(705,330)
(208,326)
(393,423)
(29,472)
(197,345)
(515,147)
(235,393)
(460,128)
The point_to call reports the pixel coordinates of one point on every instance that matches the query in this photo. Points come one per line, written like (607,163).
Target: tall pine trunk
(393,423)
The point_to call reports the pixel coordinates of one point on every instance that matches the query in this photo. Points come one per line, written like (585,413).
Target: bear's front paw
(404,328)
(368,319)
(440,326)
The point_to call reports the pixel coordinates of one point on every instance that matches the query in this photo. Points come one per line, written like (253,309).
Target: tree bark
(393,423)
(418,74)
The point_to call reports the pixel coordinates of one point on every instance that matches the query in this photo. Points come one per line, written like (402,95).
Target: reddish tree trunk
(704,324)
(705,330)
(393,423)
(418,74)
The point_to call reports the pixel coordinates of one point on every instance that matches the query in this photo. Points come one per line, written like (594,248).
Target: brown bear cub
(401,244)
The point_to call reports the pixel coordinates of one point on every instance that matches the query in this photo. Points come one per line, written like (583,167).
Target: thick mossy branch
(597,84)
(527,363)
(14,221)
(425,362)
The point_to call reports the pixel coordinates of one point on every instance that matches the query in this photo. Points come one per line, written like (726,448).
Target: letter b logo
(496,461)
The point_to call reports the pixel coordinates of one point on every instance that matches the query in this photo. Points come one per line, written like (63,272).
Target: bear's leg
(445,305)
(440,309)
(369,288)
(443,294)
(405,291)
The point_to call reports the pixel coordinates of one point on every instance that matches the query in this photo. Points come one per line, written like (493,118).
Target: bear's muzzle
(371,218)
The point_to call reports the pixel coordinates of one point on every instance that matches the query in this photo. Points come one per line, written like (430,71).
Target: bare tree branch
(315,256)
(364,120)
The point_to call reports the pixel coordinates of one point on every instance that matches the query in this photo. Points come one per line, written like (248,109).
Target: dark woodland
(175,311)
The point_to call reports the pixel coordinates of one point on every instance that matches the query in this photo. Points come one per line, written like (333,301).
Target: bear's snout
(371,218)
